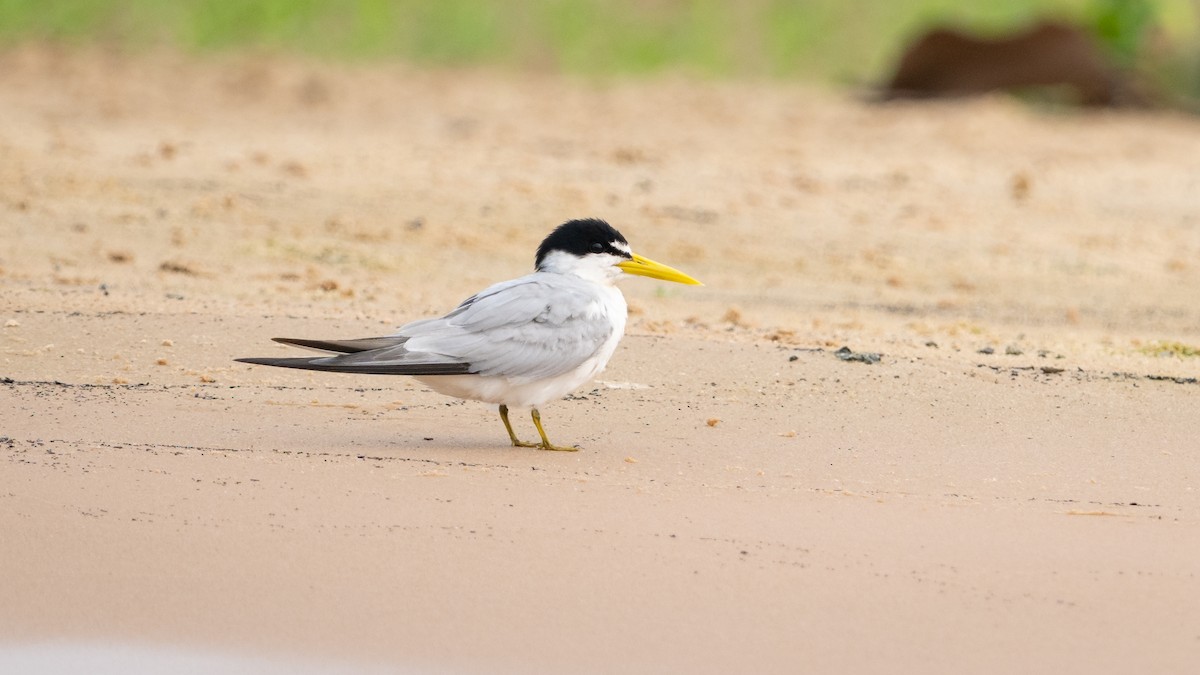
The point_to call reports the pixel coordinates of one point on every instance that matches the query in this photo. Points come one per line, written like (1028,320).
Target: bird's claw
(544,446)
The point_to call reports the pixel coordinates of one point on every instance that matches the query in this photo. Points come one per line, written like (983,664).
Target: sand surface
(744,500)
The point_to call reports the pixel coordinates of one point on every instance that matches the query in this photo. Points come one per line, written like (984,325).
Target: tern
(519,343)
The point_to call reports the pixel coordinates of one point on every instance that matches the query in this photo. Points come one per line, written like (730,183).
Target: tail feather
(331,364)
(345,346)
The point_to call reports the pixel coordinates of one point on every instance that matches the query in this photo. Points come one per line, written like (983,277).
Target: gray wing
(540,325)
(537,326)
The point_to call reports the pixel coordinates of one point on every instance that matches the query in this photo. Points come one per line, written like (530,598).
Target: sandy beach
(1013,487)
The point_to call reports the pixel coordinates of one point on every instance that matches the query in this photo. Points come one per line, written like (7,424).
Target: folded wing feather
(537,326)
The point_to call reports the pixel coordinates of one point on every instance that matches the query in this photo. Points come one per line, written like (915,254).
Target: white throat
(600,268)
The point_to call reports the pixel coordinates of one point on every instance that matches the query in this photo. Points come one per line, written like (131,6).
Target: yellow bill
(645,267)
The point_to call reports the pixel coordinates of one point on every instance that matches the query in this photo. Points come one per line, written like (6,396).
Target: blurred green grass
(849,42)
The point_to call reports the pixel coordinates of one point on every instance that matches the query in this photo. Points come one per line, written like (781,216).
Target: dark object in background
(847,354)
(948,63)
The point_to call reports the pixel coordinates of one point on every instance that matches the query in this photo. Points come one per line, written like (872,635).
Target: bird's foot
(537,421)
(546,444)
(518,443)
(557,448)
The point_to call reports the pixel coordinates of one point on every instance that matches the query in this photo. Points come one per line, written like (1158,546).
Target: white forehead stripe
(622,246)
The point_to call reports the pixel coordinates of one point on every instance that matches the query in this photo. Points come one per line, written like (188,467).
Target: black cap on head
(581,237)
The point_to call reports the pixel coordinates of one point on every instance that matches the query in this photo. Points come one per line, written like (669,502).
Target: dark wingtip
(304,364)
(275,362)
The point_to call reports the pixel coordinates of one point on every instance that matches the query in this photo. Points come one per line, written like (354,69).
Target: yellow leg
(512,436)
(546,444)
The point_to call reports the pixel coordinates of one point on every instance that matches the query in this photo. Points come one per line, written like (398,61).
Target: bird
(520,343)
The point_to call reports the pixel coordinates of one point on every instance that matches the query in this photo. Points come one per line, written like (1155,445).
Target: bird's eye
(597,247)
